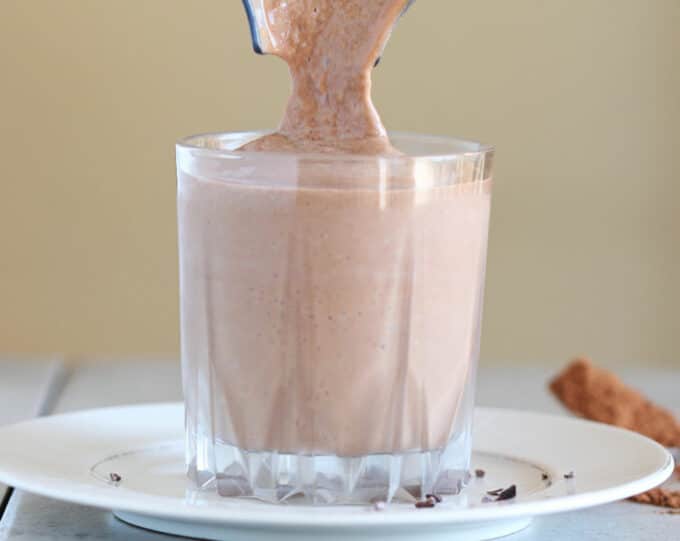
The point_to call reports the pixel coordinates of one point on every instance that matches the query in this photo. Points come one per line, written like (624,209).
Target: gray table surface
(36,388)
(26,390)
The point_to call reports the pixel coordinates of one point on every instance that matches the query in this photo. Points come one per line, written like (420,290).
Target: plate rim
(157,506)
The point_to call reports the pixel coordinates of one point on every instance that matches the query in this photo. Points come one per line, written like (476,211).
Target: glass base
(328,479)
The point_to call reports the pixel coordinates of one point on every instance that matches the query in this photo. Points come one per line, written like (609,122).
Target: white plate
(70,457)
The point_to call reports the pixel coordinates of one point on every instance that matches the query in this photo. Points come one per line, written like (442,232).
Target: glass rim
(463,148)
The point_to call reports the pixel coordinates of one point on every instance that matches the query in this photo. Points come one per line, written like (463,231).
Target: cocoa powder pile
(599,395)
(660,497)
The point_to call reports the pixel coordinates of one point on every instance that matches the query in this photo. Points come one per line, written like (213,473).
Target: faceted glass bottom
(327,479)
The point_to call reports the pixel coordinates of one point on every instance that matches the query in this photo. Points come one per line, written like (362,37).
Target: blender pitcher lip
(452,147)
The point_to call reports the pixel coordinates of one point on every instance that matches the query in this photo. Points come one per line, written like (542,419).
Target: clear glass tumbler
(330,316)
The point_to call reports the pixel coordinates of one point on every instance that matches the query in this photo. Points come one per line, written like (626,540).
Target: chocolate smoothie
(343,330)
(331,284)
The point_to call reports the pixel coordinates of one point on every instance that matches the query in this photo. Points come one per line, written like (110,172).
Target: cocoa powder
(660,497)
(599,395)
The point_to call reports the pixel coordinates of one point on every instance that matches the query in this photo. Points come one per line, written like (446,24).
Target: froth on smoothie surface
(330,47)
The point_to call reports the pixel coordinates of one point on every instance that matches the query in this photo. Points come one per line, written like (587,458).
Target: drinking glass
(330,316)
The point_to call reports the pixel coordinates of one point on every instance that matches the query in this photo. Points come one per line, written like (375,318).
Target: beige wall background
(581,97)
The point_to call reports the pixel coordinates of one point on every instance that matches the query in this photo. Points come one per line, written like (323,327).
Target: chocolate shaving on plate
(115,478)
(501,494)
(507,494)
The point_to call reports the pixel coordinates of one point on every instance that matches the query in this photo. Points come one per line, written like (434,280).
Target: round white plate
(70,457)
